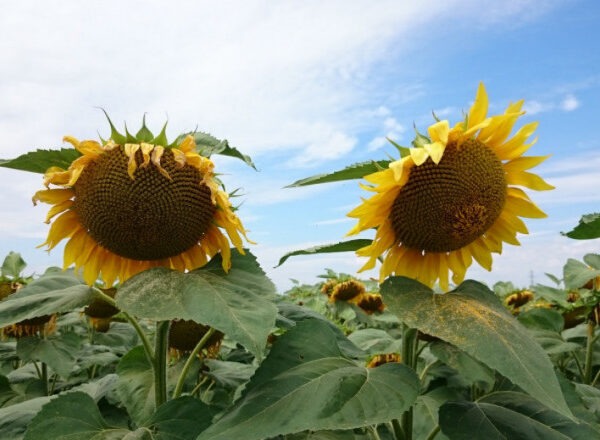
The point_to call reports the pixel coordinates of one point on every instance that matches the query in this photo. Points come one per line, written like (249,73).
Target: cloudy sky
(304,88)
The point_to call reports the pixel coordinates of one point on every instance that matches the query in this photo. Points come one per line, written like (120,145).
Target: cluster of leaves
(292,366)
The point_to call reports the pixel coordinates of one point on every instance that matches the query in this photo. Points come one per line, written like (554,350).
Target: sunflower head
(381,359)
(347,290)
(452,198)
(370,303)
(184,335)
(133,202)
(519,298)
(39,326)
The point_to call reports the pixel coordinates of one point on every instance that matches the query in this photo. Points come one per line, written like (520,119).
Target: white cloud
(570,103)
(325,145)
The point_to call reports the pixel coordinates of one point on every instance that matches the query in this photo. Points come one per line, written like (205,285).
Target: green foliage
(473,319)
(40,160)
(342,246)
(588,228)
(352,172)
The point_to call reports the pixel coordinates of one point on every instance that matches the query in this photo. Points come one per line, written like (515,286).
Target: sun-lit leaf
(472,318)
(342,246)
(239,303)
(207,145)
(74,416)
(352,172)
(509,415)
(577,274)
(588,228)
(552,295)
(135,386)
(54,292)
(40,160)
(181,419)
(59,352)
(13,265)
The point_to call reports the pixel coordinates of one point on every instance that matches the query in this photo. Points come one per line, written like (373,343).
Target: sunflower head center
(446,206)
(149,217)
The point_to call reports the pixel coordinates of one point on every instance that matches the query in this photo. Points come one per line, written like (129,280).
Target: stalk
(409,358)
(589,353)
(190,360)
(160,362)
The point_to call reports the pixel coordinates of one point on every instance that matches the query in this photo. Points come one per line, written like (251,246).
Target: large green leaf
(356,171)
(135,386)
(307,383)
(375,341)
(40,160)
(74,416)
(576,273)
(54,292)
(208,145)
(13,265)
(588,227)
(328,393)
(472,318)
(509,416)
(239,304)
(470,369)
(181,419)
(15,418)
(342,246)
(59,352)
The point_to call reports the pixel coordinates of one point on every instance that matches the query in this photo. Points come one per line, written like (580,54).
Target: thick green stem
(190,361)
(589,353)
(409,358)
(161,344)
(45,378)
(434,432)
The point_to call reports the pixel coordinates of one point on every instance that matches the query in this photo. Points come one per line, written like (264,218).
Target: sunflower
(452,198)
(134,202)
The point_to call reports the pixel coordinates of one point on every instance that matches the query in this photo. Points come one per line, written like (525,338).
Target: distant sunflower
(453,198)
(134,202)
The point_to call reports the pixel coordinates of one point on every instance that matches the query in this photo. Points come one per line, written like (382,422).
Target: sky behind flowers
(304,88)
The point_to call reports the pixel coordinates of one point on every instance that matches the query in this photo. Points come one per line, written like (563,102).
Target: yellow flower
(127,205)
(453,198)
(347,290)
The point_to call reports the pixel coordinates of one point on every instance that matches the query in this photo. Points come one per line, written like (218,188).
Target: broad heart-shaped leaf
(327,393)
(306,382)
(59,352)
(576,274)
(73,416)
(342,246)
(375,341)
(135,386)
(54,292)
(181,419)
(239,304)
(13,265)
(14,419)
(471,370)
(40,160)
(588,228)
(509,415)
(352,172)
(472,318)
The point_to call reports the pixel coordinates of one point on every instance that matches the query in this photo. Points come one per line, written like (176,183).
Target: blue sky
(305,88)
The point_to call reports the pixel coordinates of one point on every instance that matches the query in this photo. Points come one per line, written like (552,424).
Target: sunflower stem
(434,432)
(190,361)
(45,378)
(589,353)
(160,362)
(133,322)
(409,358)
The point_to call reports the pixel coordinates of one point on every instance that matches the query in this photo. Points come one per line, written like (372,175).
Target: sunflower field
(161,324)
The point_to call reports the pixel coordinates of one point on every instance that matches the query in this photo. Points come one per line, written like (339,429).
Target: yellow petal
(528,180)
(156,156)
(58,208)
(478,110)
(481,253)
(436,151)
(146,150)
(53,196)
(438,132)
(188,144)
(523,208)
(130,150)
(418,155)
(523,163)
